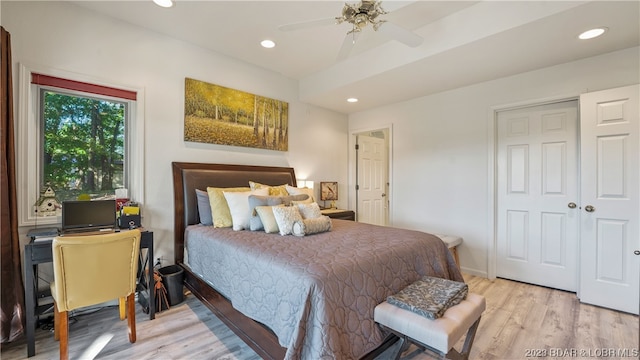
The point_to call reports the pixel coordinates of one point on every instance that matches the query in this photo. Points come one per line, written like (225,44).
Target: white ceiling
(464,42)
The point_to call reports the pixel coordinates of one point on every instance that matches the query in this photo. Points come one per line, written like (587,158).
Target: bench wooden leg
(471,335)
(404,345)
(453,354)
(454,252)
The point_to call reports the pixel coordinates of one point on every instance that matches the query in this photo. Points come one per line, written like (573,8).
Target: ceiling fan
(360,16)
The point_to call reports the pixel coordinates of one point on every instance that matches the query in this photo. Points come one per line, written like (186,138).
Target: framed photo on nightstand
(328,190)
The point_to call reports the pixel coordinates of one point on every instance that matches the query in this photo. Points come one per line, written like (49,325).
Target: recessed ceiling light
(352,100)
(164,3)
(593,33)
(267,44)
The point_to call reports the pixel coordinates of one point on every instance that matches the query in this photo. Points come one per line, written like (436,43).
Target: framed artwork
(218,115)
(328,190)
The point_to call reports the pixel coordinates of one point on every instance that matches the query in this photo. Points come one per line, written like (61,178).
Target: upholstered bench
(439,335)
(452,242)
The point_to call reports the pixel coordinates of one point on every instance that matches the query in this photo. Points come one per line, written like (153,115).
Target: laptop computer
(88,216)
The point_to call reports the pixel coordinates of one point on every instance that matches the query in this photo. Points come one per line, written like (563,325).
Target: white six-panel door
(372,180)
(538,215)
(610,162)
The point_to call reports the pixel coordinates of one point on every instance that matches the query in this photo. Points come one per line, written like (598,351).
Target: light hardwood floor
(520,320)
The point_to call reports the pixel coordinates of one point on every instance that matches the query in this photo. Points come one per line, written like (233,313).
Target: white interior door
(372,180)
(610,198)
(537,215)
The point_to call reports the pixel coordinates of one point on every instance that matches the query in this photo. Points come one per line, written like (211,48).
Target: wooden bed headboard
(187,177)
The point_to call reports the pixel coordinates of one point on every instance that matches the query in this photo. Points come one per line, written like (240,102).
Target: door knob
(589,208)
(572,205)
(637,252)
(383,195)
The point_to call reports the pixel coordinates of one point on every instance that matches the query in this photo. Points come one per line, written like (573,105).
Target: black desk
(40,252)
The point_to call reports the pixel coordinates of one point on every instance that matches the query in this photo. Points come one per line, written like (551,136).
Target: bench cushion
(440,334)
(450,240)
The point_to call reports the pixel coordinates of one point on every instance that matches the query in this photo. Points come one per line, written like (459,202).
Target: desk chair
(90,270)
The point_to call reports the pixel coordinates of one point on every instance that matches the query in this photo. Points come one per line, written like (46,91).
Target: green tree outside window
(83,145)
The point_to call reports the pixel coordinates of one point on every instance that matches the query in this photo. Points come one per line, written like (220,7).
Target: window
(80,138)
(83,144)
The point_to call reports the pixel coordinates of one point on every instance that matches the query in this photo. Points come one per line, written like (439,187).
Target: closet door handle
(572,205)
(589,208)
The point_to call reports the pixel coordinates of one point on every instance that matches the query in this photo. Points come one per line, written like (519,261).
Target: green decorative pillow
(219,208)
(280,190)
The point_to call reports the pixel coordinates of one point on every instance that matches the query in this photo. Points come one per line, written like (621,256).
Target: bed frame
(190,176)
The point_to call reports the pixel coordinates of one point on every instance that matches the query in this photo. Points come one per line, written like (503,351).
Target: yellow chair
(90,270)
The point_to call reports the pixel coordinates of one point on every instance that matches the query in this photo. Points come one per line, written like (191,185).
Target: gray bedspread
(317,293)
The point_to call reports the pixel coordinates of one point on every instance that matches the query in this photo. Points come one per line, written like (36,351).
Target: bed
(293,297)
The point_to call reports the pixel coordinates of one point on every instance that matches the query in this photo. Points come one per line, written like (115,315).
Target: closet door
(538,216)
(610,192)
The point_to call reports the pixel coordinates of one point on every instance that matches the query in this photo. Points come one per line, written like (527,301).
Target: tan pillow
(280,190)
(219,208)
(267,218)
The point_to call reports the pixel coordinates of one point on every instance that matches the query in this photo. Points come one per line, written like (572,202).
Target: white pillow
(309,211)
(285,217)
(239,206)
(299,191)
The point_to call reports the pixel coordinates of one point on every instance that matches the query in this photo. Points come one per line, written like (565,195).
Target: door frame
(353,167)
(492,179)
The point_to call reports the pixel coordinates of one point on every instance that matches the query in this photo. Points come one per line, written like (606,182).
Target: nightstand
(339,214)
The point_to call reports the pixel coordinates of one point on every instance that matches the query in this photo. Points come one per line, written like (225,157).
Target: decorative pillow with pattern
(285,217)
(279,190)
(309,211)
(311,226)
(430,296)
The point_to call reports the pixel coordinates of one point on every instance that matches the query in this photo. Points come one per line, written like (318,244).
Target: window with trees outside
(80,139)
(83,144)
(80,136)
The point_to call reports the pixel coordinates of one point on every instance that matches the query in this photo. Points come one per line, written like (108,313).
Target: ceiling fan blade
(347,45)
(307,24)
(401,34)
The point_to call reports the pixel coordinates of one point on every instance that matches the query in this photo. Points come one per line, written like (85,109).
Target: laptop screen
(88,215)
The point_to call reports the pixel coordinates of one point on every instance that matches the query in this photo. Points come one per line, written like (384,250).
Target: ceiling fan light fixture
(164,3)
(592,33)
(360,20)
(268,44)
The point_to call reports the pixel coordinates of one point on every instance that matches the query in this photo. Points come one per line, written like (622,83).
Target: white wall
(65,37)
(441,145)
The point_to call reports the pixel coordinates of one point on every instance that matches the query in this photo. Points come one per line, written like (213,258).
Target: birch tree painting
(218,115)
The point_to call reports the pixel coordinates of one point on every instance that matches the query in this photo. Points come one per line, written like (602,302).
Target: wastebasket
(172,277)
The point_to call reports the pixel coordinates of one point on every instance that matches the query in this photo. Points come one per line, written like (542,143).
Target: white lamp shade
(304,183)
